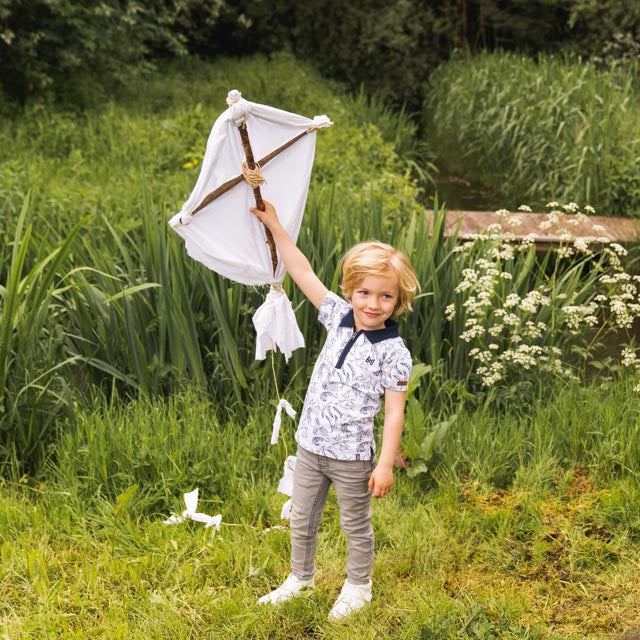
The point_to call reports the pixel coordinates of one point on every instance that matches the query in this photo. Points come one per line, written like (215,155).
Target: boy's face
(374,301)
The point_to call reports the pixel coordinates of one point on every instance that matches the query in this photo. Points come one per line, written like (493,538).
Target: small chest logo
(369,360)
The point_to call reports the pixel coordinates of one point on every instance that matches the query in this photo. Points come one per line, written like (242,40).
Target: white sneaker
(290,588)
(351,598)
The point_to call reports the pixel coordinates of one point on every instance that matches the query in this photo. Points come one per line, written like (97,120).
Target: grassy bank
(521,528)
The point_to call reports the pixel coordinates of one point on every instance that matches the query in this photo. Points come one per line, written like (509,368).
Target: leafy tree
(52,45)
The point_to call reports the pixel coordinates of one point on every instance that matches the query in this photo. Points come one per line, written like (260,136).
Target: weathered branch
(229,184)
(251,163)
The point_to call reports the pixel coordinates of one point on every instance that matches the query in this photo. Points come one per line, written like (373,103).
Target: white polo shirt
(351,374)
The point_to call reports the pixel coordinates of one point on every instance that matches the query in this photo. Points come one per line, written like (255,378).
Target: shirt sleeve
(397,369)
(332,310)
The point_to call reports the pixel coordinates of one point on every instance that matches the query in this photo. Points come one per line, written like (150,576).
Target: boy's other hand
(381,481)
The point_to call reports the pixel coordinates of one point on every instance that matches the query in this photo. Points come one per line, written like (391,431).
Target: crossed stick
(251,164)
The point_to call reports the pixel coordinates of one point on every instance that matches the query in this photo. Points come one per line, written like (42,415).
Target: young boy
(362,359)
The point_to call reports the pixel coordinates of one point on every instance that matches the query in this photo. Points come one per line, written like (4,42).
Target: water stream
(461,195)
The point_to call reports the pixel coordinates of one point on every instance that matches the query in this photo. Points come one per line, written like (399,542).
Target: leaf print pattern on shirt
(341,403)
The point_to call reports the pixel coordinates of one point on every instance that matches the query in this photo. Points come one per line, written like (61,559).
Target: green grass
(531,538)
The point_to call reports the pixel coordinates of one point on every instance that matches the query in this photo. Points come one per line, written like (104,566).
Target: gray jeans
(312,479)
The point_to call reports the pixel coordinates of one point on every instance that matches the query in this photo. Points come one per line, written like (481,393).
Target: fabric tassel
(277,421)
(285,513)
(190,513)
(285,485)
(276,326)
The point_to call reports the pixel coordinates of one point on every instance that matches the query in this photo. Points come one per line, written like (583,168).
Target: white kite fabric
(275,323)
(224,235)
(285,485)
(277,420)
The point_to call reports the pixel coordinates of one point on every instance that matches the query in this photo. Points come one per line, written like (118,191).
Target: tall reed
(539,130)
(34,379)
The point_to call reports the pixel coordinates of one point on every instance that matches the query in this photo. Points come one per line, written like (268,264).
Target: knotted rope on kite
(253,177)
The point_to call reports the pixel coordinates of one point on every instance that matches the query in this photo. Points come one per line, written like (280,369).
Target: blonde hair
(379,259)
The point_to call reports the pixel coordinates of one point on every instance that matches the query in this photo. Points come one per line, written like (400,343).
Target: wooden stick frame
(251,163)
(229,184)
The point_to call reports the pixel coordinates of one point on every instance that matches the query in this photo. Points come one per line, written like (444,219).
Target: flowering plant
(523,316)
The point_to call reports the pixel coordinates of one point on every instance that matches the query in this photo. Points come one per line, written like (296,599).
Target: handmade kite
(252,145)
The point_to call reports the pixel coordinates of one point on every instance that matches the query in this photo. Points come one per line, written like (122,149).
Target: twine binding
(253,177)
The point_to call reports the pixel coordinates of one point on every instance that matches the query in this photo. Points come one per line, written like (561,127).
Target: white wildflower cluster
(564,252)
(470,277)
(504,251)
(577,316)
(619,249)
(508,328)
(631,360)
(495,330)
(534,329)
(475,331)
(501,326)
(614,252)
(623,314)
(560,221)
(533,300)
(554,217)
(621,298)
(525,355)
(491,374)
(582,245)
(512,300)
(514,221)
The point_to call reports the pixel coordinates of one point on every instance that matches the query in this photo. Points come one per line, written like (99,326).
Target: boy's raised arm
(294,260)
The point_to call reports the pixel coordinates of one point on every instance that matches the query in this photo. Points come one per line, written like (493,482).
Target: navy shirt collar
(377,335)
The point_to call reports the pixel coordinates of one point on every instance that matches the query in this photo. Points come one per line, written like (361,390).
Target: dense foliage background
(432,83)
(391,47)
(81,54)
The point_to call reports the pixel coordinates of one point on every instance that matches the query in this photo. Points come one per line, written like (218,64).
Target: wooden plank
(545,233)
